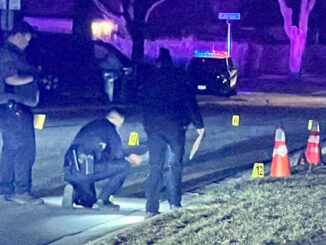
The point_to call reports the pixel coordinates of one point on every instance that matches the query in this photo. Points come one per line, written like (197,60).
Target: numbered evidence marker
(235,120)
(310,124)
(111,198)
(133,139)
(39,120)
(258,170)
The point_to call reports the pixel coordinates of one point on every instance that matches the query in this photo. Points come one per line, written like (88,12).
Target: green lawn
(243,211)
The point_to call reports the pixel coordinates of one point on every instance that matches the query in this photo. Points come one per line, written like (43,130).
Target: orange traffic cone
(280,163)
(313,152)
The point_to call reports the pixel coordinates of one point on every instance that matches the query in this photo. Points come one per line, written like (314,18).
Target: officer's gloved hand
(134,159)
(201,131)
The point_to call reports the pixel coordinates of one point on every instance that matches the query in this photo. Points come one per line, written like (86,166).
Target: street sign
(229,16)
(13,4)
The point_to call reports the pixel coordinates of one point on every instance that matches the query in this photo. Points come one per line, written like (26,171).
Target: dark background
(261,19)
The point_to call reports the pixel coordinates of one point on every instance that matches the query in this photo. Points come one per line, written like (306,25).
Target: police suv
(213,73)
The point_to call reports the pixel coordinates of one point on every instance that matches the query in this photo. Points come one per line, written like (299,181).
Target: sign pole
(229,37)
(228,17)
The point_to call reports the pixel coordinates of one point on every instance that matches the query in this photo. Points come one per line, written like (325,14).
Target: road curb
(265,99)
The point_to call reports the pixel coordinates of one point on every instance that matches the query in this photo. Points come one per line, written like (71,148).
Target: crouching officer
(18,92)
(96,154)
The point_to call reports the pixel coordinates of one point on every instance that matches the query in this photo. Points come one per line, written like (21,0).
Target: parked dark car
(213,73)
(75,70)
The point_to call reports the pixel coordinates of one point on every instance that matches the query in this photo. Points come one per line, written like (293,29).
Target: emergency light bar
(217,54)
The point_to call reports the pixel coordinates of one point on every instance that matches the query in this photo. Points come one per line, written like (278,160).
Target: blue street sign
(229,16)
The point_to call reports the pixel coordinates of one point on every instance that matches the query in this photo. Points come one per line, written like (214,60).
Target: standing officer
(96,154)
(18,92)
(168,107)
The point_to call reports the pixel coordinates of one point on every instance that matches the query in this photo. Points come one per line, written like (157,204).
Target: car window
(110,57)
(208,65)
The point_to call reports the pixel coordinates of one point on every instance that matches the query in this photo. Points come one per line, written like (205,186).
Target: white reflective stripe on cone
(314,139)
(281,150)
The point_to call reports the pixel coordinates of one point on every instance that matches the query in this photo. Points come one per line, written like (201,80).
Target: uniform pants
(157,146)
(116,171)
(18,151)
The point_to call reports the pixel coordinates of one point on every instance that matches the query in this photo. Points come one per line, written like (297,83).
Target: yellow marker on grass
(235,120)
(39,120)
(258,170)
(133,139)
(310,124)
(111,198)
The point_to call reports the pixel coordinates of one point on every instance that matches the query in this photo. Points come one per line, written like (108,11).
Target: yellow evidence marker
(39,120)
(310,124)
(133,139)
(235,120)
(111,198)
(258,170)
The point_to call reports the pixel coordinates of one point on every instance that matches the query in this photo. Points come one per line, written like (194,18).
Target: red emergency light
(218,54)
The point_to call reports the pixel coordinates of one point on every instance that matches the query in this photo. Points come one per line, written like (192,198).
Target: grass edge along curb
(242,211)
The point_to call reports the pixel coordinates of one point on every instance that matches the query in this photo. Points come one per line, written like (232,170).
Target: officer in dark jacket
(18,92)
(168,106)
(96,154)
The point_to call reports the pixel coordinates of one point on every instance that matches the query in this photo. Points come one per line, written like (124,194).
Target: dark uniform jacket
(168,101)
(13,62)
(100,139)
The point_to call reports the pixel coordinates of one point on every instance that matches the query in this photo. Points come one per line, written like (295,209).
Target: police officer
(18,92)
(96,154)
(168,107)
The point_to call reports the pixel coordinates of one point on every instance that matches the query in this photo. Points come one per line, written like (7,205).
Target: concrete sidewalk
(131,212)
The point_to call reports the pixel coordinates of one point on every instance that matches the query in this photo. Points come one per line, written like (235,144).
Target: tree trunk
(137,31)
(82,18)
(138,43)
(297,46)
(297,35)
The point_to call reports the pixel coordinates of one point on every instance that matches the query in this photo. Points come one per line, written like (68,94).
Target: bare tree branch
(154,5)
(105,8)
(127,10)
(287,16)
(297,35)
(306,7)
(112,14)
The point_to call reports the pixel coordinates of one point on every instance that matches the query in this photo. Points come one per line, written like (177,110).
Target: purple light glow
(51,24)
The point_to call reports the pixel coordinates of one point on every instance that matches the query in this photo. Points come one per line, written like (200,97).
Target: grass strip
(267,211)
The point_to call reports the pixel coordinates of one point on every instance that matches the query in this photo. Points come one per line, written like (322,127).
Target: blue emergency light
(217,54)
